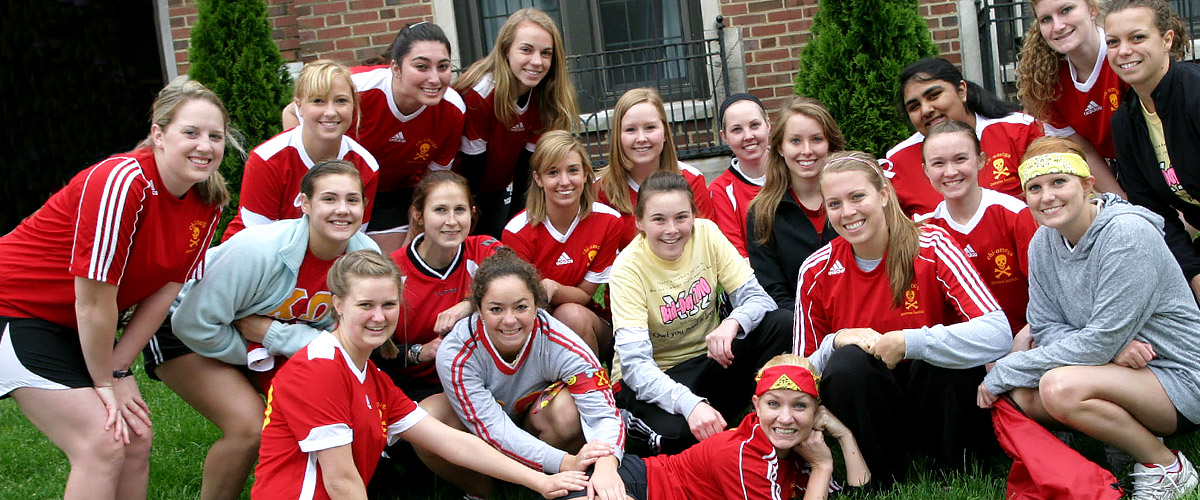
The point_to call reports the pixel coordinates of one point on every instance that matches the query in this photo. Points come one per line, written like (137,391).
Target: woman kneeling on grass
(778,451)
(330,412)
(1118,346)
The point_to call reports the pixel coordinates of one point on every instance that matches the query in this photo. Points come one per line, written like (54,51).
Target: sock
(1175,467)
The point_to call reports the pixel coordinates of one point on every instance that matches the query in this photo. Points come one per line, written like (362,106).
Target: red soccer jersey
(114,222)
(405,145)
(694,178)
(1003,140)
(429,291)
(996,239)
(271,180)
(737,463)
(319,401)
(834,293)
(502,142)
(731,194)
(1087,108)
(585,252)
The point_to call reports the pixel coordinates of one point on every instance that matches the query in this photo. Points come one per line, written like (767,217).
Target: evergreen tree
(852,65)
(233,54)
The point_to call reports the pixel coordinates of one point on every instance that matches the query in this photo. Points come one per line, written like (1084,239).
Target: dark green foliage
(232,53)
(78,80)
(851,64)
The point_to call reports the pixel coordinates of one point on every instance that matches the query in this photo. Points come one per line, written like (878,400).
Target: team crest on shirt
(689,303)
(425,149)
(1113,96)
(196,228)
(1004,263)
(911,305)
(1003,167)
(590,251)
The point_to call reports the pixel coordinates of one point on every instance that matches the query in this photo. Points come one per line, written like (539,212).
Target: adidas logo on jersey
(519,127)
(564,259)
(837,268)
(970,252)
(1092,107)
(399,137)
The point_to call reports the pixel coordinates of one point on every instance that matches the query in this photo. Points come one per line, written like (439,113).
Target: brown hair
(779,179)
(506,263)
(432,180)
(553,147)
(1165,19)
(172,97)
(1038,66)
(557,105)
(614,179)
(364,264)
(308,183)
(662,182)
(951,127)
(903,236)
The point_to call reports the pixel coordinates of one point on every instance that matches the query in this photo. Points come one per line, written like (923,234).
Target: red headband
(788,377)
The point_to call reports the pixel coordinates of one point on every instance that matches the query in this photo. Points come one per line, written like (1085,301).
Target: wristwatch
(122,373)
(414,353)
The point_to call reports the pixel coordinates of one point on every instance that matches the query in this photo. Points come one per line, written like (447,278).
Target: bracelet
(122,373)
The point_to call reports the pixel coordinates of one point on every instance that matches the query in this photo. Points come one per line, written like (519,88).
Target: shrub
(232,53)
(852,65)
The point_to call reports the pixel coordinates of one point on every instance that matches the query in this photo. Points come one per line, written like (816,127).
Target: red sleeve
(311,394)
(726,218)
(370,180)
(1023,228)
(478,122)
(960,281)
(518,244)
(700,194)
(610,245)
(811,322)
(397,405)
(452,132)
(112,199)
(261,191)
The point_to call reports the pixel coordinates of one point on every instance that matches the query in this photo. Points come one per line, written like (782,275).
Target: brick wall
(775,31)
(347,31)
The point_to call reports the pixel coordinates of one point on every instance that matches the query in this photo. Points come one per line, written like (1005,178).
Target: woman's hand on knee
(704,421)
(984,398)
(864,338)
(113,421)
(1136,355)
(133,408)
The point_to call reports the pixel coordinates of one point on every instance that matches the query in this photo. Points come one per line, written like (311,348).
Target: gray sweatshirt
(1119,283)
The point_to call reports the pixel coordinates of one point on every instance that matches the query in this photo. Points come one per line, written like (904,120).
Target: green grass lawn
(33,469)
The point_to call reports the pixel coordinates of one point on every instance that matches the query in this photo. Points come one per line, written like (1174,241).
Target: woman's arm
(468,451)
(146,320)
(340,476)
(563,294)
(96,314)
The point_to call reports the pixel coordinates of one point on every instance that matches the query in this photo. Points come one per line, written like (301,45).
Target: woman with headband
(1117,353)
(902,320)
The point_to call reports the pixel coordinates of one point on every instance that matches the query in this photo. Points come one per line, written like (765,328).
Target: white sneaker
(1153,482)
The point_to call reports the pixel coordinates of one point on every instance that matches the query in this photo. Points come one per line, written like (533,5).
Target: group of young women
(555,321)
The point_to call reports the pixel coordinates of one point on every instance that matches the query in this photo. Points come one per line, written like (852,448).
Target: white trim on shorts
(14,375)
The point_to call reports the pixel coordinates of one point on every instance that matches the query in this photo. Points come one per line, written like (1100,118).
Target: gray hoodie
(1120,283)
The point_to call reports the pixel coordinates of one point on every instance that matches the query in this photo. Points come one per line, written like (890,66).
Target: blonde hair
(1038,67)
(553,147)
(786,359)
(557,106)
(363,264)
(317,78)
(903,236)
(1165,19)
(614,179)
(172,97)
(779,178)
(1049,144)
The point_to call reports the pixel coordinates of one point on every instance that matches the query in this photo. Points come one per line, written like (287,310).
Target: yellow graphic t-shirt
(1158,139)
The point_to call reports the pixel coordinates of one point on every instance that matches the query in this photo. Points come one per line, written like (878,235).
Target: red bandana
(788,377)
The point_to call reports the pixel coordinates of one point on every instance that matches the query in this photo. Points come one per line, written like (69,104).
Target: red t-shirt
(996,240)
(404,145)
(1087,108)
(428,292)
(319,401)
(113,222)
(836,294)
(503,143)
(694,178)
(1003,140)
(731,194)
(271,180)
(737,463)
(585,252)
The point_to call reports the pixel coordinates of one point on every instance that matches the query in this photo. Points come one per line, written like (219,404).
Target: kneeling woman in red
(778,451)
(525,383)
(330,411)
(913,284)
(126,231)
(571,239)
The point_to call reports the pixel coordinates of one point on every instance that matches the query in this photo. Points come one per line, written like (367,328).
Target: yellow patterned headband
(1053,163)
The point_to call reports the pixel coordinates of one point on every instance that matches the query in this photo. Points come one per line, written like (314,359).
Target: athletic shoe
(639,432)
(1153,482)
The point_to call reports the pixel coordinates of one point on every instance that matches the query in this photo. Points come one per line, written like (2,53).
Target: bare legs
(596,332)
